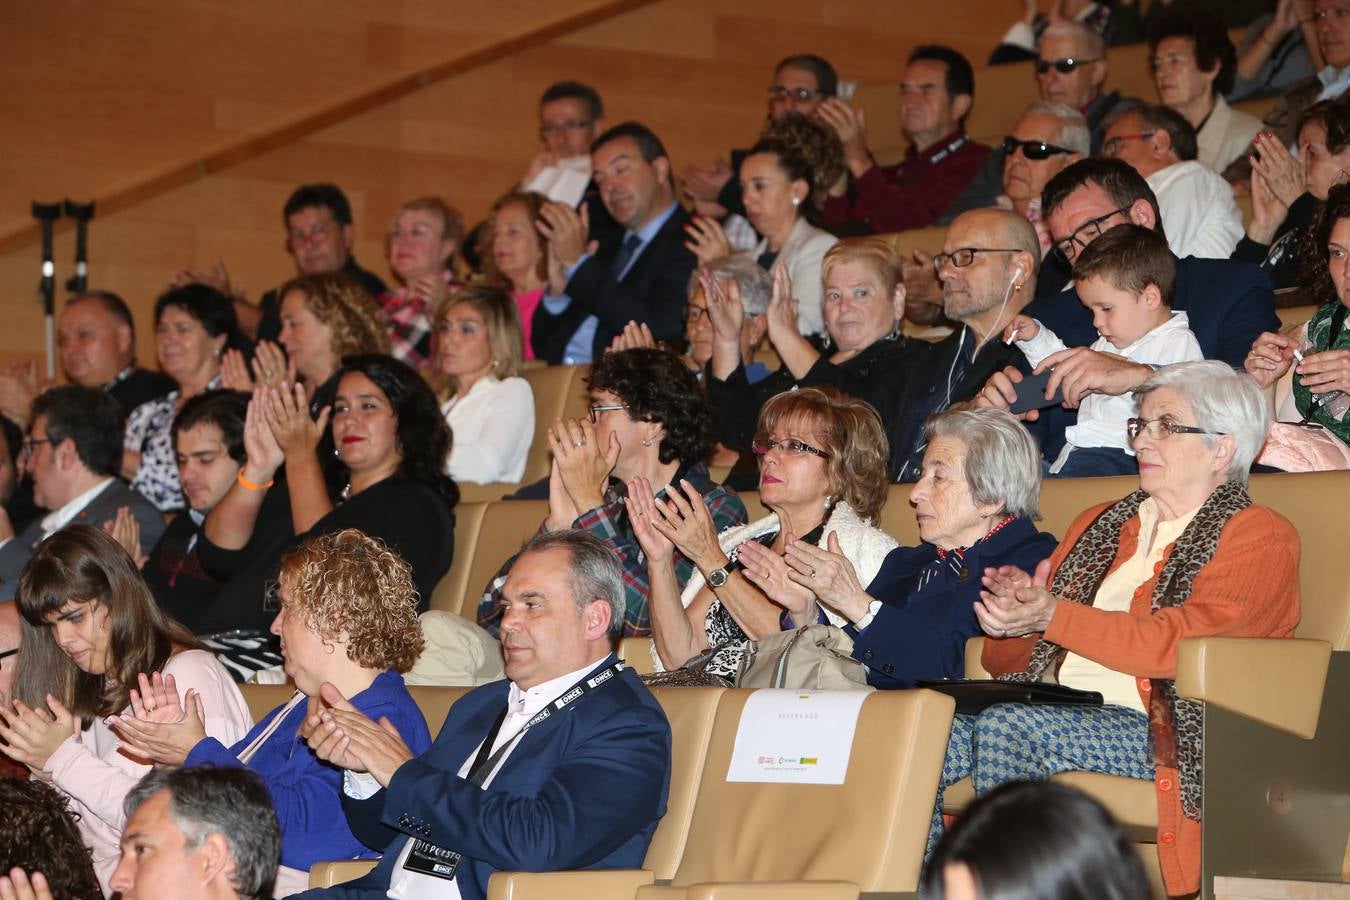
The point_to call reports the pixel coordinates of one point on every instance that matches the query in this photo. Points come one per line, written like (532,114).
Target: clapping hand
(287,414)
(32,735)
(707,240)
(634,334)
(1014,604)
(829,575)
(683,518)
(339,733)
(127,532)
(19,885)
(583,465)
(161,727)
(769,572)
(643,515)
(271,365)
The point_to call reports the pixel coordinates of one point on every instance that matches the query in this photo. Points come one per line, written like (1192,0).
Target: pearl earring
(646,442)
(796,201)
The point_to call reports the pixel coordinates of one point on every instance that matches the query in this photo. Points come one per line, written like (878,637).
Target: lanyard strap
(487,761)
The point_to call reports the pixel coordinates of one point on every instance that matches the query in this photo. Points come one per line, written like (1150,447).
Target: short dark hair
(222,408)
(657,387)
(827,79)
(38,833)
(112,303)
(210,307)
(960,76)
(91,417)
(1334,117)
(1130,257)
(1040,839)
(575,90)
(232,802)
(1115,177)
(1156,117)
(648,144)
(1207,33)
(322,194)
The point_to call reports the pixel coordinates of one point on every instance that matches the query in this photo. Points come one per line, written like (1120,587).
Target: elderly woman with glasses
(1187,555)
(650,421)
(822,474)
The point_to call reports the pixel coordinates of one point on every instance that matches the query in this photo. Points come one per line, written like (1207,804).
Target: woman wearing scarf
(1187,555)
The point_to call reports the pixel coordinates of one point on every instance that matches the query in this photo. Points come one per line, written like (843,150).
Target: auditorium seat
(1294,315)
(506,526)
(449,592)
(637,653)
(552,386)
(768,890)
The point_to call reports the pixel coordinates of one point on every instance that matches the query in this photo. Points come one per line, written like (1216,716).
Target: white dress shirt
(1199,212)
(1101,417)
(492,428)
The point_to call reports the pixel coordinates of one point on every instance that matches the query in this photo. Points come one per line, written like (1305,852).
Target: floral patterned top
(150,433)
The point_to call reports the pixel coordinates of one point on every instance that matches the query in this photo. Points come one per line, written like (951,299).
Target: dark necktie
(626,252)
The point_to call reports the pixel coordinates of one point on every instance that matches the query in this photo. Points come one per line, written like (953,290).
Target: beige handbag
(812,657)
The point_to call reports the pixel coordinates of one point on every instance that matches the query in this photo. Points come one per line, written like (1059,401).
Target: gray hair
(1073,131)
(231,802)
(1090,44)
(756,285)
(1224,402)
(1003,463)
(595,570)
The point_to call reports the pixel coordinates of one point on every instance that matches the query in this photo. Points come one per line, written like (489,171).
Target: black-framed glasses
(558,127)
(1089,231)
(1162,427)
(964,256)
(29,447)
(1113,144)
(800,94)
(597,409)
(1034,150)
(791,446)
(1062,66)
(694,313)
(6,654)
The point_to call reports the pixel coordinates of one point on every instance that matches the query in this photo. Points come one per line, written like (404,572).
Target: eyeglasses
(1112,145)
(29,447)
(595,411)
(1163,427)
(694,313)
(317,232)
(966,255)
(1089,231)
(791,446)
(558,127)
(1034,150)
(800,94)
(1062,66)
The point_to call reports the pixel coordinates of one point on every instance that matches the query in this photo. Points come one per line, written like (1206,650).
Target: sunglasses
(1062,66)
(1033,150)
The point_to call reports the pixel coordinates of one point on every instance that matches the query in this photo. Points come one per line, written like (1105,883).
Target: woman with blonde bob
(822,473)
(348,628)
(90,626)
(489,407)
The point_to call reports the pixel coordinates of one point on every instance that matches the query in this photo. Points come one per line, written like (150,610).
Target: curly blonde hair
(850,431)
(343,305)
(348,585)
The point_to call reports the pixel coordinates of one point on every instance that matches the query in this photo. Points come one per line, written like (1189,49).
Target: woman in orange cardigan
(1187,555)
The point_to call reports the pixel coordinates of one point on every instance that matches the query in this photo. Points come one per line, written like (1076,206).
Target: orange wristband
(252,485)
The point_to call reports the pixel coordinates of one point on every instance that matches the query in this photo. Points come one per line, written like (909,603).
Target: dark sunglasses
(1033,150)
(1062,66)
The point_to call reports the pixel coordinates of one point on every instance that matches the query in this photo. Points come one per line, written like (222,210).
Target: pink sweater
(90,769)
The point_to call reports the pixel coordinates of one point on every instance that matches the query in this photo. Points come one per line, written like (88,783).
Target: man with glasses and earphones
(1228,303)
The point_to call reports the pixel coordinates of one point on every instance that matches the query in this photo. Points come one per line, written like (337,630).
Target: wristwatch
(718,577)
(872,609)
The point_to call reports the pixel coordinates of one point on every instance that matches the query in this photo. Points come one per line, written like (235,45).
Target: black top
(174,573)
(269,329)
(1282,258)
(412,518)
(139,386)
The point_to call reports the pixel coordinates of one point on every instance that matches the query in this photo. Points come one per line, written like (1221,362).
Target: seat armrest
(327,874)
(1275,681)
(773,890)
(974,666)
(588,884)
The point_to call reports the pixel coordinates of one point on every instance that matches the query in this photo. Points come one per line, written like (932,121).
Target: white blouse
(492,427)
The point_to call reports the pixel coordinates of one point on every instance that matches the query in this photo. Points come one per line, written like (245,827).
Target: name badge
(426,858)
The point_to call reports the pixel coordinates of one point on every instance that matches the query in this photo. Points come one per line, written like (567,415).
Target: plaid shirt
(408,320)
(609,522)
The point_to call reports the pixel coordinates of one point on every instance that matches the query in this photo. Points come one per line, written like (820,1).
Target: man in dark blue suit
(564,766)
(1228,303)
(642,275)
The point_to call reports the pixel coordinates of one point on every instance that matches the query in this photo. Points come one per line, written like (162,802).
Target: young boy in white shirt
(1126,278)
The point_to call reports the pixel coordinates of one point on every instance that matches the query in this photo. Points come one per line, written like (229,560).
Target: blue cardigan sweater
(306,791)
(922,634)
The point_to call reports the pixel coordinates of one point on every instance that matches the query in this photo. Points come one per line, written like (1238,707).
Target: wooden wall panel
(695,70)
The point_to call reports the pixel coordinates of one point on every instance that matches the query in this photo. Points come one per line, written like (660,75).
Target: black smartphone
(1031,393)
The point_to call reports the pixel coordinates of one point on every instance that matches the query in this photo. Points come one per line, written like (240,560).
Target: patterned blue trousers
(1025,742)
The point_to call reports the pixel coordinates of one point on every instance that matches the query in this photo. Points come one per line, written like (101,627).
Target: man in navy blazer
(1229,303)
(641,275)
(573,752)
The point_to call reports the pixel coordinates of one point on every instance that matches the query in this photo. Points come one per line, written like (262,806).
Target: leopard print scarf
(1176,725)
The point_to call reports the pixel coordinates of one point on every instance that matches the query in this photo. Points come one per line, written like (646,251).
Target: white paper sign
(796,737)
(565,182)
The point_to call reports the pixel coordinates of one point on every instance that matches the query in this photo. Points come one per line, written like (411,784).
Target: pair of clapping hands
(1013,603)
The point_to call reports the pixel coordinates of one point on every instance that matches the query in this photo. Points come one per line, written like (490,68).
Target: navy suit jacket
(582,790)
(654,290)
(1229,304)
(922,633)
